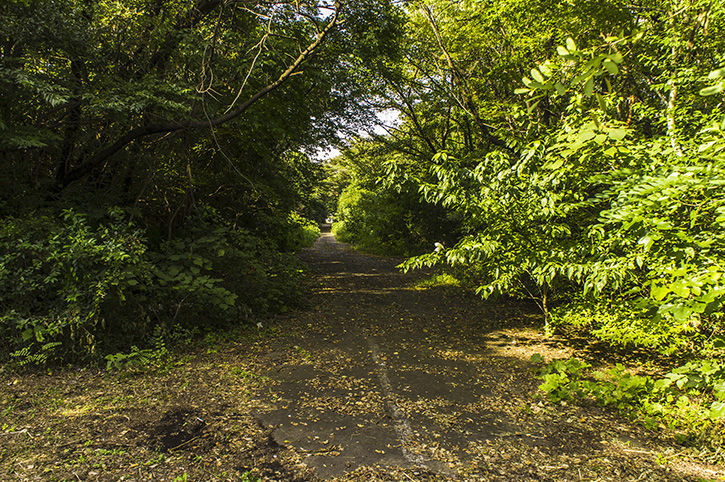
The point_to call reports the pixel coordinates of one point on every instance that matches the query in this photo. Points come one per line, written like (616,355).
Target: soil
(377,380)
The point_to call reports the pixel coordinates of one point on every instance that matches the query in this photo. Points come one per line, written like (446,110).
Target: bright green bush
(689,398)
(302,233)
(624,232)
(287,232)
(372,220)
(384,221)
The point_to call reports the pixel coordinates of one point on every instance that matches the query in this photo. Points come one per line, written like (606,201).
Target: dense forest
(567,153)
(156,161)
(160,164)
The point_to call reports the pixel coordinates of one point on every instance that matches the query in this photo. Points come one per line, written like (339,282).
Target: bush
(689,398)
(302,233)
(380,221)
(72,290)
(57,277)
(218,272)
(287,232)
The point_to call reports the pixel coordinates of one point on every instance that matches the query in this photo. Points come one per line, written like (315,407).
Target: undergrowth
(689,399)
(74,288)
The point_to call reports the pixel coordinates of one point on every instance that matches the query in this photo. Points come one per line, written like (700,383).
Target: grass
(438,281)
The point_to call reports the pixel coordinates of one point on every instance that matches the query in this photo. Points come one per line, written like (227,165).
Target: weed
(159,459)
(304,353)
(247,375)
(248,477)
(439,280)
(690,397)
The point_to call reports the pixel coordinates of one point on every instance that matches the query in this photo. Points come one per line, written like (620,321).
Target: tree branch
(102,156)
(462,82)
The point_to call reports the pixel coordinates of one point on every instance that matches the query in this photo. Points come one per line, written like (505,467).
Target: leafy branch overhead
(232,112)
(105,76)
(602,203)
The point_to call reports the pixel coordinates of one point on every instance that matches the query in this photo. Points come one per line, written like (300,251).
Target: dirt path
(376,381)
(390,382)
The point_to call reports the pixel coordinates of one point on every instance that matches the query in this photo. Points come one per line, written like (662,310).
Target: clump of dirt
(180,428)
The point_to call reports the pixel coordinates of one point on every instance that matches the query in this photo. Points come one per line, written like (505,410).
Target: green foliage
(297,232)
(111,104)
(222,272)
(136,359)
(688,398)
(439,280)
(581,190)
(371,220)
(248,477)
(377,216)
(74,290)
(56,277)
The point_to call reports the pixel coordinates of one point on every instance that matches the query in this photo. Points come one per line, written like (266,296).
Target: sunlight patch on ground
(460,355)
(522,343)
(75,411)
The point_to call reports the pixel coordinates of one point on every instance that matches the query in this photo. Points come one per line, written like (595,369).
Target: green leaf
(681,313)
(589,87)
(617,134)
(646,241)
(570,45)
(712,90)
(537,76)
(659,293)
(716,74)
(536,358)
(719,390)
(553,165)
(717,410)
(611,67)
(562,51)
(522,91)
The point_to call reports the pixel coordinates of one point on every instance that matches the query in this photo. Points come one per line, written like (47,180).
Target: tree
(574,146)
(154,159)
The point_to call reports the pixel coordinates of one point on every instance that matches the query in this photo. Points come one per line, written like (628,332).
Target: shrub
(56,278)
(287,232)
(378,221)
(72,290)
(689,398)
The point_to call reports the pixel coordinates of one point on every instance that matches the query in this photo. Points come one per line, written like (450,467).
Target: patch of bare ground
(377,381)
(192,419)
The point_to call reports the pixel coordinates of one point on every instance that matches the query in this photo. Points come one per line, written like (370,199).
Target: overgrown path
(377,380)
(383,380)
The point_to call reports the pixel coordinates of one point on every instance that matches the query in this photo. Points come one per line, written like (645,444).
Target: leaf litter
(306,402)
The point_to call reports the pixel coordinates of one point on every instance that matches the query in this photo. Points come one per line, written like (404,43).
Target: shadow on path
(382,381)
